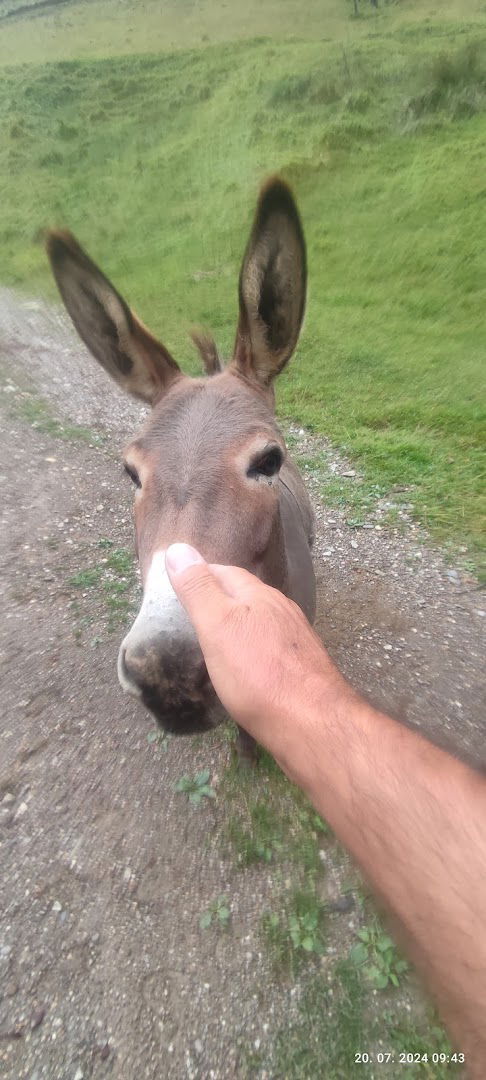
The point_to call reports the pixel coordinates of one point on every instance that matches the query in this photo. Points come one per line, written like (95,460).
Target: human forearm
(410,815)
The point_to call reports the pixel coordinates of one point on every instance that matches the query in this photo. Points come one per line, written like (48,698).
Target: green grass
(155,161)
(113,579)
(297,932)
(324,1039)
(376,955)
(335,1024)
(38,413)
(269,823)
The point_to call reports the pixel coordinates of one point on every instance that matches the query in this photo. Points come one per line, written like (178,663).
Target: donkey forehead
(198,417)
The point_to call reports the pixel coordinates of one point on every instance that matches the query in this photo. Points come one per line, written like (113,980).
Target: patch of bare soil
(104,969)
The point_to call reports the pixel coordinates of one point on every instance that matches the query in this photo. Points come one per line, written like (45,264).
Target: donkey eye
(266,464)
(133,474)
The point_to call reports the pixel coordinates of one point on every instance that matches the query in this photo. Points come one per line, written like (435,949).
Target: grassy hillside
(155,162)
(96,28)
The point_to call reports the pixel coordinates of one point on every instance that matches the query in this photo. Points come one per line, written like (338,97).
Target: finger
(196,586)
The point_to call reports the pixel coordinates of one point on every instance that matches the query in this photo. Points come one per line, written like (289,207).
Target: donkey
(210,466)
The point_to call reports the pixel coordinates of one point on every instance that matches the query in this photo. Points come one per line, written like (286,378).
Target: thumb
(196,586)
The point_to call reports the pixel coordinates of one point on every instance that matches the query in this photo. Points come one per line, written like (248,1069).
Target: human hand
(262,656)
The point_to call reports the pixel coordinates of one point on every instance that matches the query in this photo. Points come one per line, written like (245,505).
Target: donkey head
(206,464)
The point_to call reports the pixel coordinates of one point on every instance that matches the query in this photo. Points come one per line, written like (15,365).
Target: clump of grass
(357,101)
(455,85)
(37,412)
(196,787)
(296,931)
(114,580)
(343,132)
(290,89)
(377,956)
(323,1040)
(17,129)
(259,837)
(53,157)
(159,739)
(313,89)
(218,913)
(68,132)
(335,1024)
(269,820)
(86,579)
(324,91)
(429,1041)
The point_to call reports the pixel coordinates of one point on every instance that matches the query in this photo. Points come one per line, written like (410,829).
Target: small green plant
(258,839)
(158,738)
(304,931)
(310,819)
(197,787)
(114,578)
(377,956)
(297,931)
(86,579)
(218,912)
(330,1025)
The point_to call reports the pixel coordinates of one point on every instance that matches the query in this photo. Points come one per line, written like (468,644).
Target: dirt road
(105,869)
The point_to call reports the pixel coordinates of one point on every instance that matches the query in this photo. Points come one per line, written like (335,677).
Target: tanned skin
(413,817)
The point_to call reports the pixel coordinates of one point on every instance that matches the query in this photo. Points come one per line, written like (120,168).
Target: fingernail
(179,557)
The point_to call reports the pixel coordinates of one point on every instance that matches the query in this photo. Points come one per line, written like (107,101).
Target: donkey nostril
(202,680)
(126,674)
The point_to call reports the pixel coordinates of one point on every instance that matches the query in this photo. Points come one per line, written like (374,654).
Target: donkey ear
(127,351)
(272,287)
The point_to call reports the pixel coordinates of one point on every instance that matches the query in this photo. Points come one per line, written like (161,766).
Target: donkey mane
(208,350)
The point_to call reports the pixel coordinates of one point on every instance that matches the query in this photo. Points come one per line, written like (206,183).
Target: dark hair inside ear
(272,286)
(139,363)
(270,306)
(101,316)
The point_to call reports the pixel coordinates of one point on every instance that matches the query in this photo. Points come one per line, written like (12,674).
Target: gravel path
(105,869)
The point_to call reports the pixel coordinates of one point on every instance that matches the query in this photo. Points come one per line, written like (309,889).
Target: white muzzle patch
(161,616)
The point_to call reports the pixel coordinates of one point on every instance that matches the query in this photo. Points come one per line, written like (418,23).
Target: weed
(86,579)
(113,579)
(218,912)
(297,931)
(426,1039)
(304,931)
(323,1040)
(260,839)
(197,787)
(159,739)
(378,958)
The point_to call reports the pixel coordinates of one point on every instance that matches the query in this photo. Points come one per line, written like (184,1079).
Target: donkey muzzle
(160,660)
(172,683)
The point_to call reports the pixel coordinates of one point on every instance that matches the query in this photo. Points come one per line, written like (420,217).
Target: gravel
(105,868)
